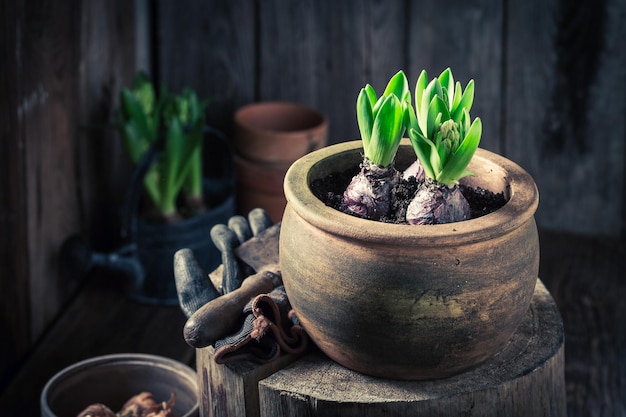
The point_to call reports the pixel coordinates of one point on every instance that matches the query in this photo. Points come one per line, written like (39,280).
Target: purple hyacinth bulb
(414,170)
(437,204)
(368,194)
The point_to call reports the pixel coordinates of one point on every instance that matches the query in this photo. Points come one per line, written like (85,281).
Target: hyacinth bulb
(368,194)
(437,204)
(140,405)
(381,123)
(97,410)
(414,170)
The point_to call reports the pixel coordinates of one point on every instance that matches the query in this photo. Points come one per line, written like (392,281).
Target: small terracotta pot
(261,185)
(409,302)
(268,138)
(278,132)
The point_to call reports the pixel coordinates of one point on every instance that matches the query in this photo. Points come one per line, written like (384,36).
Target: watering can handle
(130,205)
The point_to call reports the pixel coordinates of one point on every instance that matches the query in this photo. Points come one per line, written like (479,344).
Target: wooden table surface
(585,275)
(587,278)
(100,320)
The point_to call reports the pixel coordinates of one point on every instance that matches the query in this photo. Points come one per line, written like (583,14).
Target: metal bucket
(113,379)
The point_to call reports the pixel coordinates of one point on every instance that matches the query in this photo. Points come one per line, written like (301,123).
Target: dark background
(550,89)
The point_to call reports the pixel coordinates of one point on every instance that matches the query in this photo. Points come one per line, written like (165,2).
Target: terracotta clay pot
(409,302)
(268,138)
(260,184)
(278,132)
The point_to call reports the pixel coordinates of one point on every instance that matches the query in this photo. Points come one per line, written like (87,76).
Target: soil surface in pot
(330,191)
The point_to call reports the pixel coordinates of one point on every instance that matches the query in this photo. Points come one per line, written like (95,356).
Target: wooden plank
(585,275)
(565,109)
(321,53)
(14,261)
(232,389)
(100,321)
(525,379)
(209,46)
(49,72)
(468,38)
(61,78)
(115,33)
(44,69)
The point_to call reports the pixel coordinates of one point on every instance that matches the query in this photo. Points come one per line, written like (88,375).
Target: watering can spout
(123,261)
(77,259)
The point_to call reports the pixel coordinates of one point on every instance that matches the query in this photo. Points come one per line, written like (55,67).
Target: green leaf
(386,132)
(171,159)
(442,151)
(371,94)
(152,184)
(437,113)
(457,164)
(420,86)
(435,161)
(196,109)
(465,122)
(377,106)
(458,93)
(364,116)
(144,92)
(447,83)
(465,103)
(134,126)
(422,147)
(398,85)
(193,179)
(132,110)
(134,141)
(410,118)
(432,90)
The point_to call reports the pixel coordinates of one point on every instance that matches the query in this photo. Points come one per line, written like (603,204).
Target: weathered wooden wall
(566,109)
(61,169)
(550,78)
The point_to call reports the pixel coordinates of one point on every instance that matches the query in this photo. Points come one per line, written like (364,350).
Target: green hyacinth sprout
(143,117)
(439,128)
(382,119)
(382,122)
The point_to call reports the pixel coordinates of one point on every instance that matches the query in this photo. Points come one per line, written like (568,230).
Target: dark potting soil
(330,191)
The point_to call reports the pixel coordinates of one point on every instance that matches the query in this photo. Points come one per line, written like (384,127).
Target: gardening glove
(193,285)
(227,238)
(270,327)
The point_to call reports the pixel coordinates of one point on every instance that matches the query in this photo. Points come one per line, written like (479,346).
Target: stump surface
(525,379)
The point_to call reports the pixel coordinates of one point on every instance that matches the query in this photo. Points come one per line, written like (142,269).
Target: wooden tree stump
(232,389)
(525,379)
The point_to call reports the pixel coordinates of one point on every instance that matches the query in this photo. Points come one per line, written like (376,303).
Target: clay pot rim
(520,208)
(279,107)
